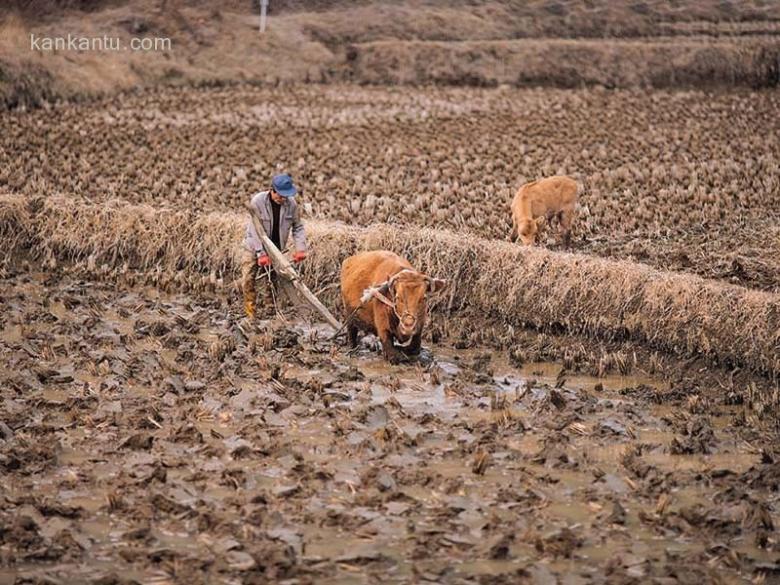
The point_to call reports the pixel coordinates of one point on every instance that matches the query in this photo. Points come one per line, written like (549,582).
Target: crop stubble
(685,181)
(147,430)
(681,180)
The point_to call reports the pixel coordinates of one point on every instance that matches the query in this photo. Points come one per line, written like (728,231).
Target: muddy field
(154,439)
(149,435)
(685,181)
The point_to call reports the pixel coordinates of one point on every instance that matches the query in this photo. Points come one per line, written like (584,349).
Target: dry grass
(38,7)
(695,43)
(493,282)
(14,228)
(448,20)
(667,62)
(208,47)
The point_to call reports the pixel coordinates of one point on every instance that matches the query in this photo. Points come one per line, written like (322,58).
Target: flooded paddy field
(599,412)
(152,438)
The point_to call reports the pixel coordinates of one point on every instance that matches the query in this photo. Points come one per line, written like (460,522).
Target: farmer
(279,212)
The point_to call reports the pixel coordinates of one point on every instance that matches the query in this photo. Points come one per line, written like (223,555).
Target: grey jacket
(289,217)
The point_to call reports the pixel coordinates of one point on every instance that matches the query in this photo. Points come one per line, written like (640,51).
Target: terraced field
(684,181)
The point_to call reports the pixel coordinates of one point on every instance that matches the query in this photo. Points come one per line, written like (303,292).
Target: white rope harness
(377,291)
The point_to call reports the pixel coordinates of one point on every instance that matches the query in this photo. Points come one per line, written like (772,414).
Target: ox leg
(566,219)
(385,334)
(414,347)
(352,331)
(392,355)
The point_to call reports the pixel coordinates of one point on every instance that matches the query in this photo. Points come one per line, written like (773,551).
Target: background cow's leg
(566,219)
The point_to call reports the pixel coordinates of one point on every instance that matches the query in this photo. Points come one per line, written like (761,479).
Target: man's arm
(252,237)
(298,231)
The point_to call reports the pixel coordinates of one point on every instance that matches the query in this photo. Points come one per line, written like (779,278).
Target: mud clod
(294,460)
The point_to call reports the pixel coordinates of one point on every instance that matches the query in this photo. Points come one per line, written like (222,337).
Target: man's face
(278,199)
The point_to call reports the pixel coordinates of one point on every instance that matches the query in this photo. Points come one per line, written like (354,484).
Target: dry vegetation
(683,181)
(668,62)
(148,436)
(460,20)
(568,43)
(491,283)
(210,46)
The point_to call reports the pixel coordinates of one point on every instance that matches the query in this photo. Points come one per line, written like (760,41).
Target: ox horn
(435,284)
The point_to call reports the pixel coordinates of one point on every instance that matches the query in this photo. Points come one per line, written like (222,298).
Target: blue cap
(283,185)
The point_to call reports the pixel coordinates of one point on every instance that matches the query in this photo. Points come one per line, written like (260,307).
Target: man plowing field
(279,214)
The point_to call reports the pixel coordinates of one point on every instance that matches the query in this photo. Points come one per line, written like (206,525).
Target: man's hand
(299,256)
(263,260)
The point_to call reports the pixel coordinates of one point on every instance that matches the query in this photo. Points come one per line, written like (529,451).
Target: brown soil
(566,43)
(151,438)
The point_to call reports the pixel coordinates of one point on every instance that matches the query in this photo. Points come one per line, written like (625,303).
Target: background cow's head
(526,231)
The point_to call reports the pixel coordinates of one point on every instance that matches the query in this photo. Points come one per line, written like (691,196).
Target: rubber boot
(249,307)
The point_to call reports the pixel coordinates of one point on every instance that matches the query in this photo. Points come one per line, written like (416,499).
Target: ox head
(408,290)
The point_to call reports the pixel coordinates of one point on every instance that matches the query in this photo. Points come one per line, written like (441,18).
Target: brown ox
(549,198)
(393,299)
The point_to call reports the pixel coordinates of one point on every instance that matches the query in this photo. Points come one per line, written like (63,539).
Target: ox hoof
(395,358)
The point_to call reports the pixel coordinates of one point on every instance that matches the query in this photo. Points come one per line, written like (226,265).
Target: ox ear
(436,284)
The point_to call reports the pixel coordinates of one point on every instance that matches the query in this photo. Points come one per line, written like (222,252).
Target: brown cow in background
(549,198)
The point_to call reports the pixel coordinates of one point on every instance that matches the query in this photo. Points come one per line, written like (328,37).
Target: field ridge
(559,44)
(500,282)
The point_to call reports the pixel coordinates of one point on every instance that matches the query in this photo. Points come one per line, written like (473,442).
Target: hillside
(564,44)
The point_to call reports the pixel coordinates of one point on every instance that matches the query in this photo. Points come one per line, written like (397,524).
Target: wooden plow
(286,270)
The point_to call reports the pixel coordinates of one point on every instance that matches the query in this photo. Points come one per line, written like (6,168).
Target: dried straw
(490,281)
